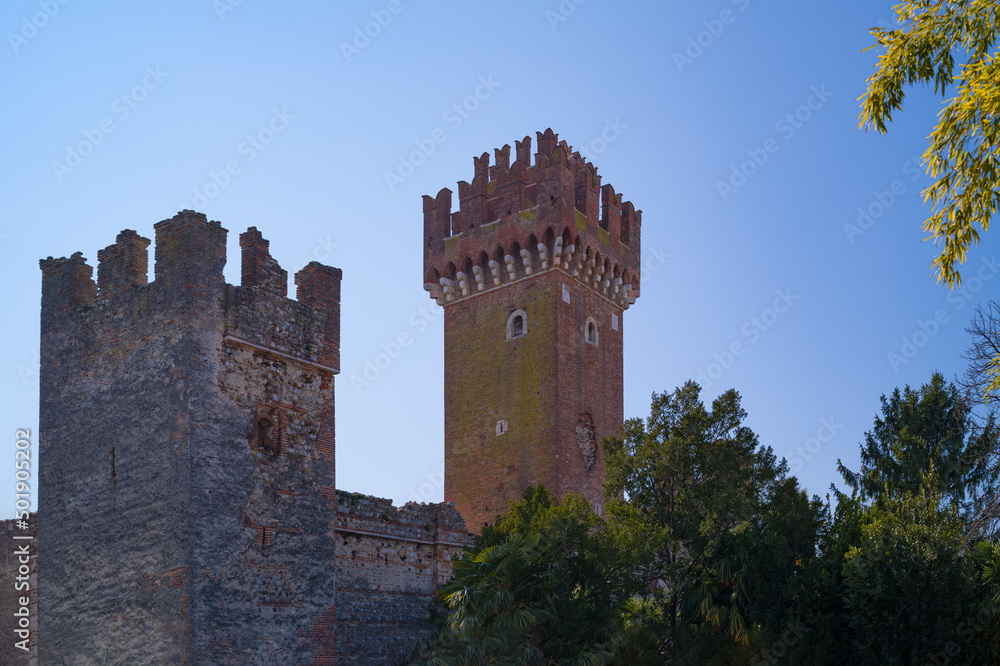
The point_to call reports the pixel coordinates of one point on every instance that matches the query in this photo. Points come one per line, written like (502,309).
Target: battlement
(522,218)
(190,257)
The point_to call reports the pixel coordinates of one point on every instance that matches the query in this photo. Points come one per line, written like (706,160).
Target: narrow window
(590,332)
(517,325)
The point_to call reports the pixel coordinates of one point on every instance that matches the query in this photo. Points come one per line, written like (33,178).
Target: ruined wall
(118,375)
(545,238)
(390,562)
(188,511)
(153,498)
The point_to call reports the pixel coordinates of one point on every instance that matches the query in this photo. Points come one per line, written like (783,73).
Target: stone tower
(534,272)
(186,472)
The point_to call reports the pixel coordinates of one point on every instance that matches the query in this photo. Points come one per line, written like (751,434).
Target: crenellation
(561,195)
(509,198)
(631,221)
(611,211)
(67,285)
(434,229)
(523,148)
(547,142)
(481,166)
(472,202)
(502,158)
(258,267)
(588,190)
(416,522)
(123,265)
(318,286)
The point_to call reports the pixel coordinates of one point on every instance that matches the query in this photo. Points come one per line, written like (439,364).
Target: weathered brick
(552,393)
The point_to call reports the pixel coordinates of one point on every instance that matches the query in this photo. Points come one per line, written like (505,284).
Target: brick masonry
(187,502)
(547,241)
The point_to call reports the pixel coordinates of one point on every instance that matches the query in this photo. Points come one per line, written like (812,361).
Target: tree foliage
(964,151)
(926,432)
(539,586)
(709,553)
(709,516)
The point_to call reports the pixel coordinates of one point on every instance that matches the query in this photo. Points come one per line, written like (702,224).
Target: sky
(782,246)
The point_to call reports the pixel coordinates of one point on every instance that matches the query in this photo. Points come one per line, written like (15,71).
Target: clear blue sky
(692,91)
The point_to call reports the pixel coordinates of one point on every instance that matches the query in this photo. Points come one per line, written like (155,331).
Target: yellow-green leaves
(964,151)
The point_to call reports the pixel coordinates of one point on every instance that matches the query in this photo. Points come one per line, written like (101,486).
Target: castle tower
(534,271)
(186,455)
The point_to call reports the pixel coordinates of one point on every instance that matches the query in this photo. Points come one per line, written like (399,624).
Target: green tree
(690,498)
(923,432)
(894,583)
(906,588)
(819,605)
(964,151)
(540,586)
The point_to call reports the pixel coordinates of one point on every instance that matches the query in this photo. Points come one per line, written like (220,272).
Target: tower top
(518,219)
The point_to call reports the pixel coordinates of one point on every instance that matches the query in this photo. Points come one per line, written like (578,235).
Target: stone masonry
(187,503)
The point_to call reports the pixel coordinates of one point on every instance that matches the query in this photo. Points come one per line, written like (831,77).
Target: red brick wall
(578,238)
(540,383)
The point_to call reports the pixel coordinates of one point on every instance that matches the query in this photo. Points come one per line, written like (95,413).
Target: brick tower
(534,272)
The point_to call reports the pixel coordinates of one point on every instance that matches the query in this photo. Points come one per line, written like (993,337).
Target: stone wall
(390,562)
(187,502)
